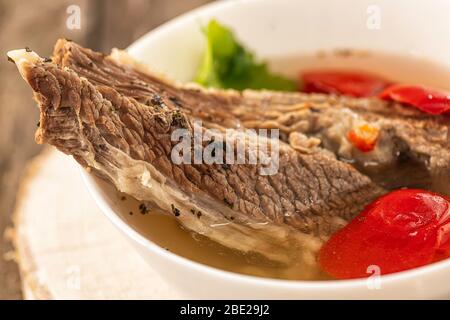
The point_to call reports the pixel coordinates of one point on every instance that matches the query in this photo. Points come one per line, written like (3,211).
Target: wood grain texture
(70,250)
(37,24)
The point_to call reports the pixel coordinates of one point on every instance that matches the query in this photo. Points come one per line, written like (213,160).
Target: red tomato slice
(401,230)
(443,251)
(426,99)
(343,82)
(443,246)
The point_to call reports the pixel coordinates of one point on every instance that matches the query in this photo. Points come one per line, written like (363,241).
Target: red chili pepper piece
(401,230)
(364,137)
(428,100)
(343,82)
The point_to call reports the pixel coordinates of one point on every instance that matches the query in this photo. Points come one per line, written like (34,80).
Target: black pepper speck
(175,211)
(143,209)
(228,203)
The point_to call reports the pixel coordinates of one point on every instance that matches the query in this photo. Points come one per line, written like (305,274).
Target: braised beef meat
(412,150)
(129,143)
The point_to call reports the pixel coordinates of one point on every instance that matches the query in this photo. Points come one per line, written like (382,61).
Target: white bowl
(275,28)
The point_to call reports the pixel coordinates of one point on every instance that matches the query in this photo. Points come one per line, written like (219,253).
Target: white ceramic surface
(275,28)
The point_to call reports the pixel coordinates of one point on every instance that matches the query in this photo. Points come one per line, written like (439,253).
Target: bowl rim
(402,276)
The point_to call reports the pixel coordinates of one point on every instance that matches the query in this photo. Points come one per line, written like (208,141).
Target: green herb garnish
(227,64)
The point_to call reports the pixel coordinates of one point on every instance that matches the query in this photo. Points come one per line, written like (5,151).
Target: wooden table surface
(37,24)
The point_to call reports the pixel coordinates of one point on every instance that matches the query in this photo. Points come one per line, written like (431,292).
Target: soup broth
(164,230)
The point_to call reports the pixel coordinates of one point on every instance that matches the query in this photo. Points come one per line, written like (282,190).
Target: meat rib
(413,149)
(129,144)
